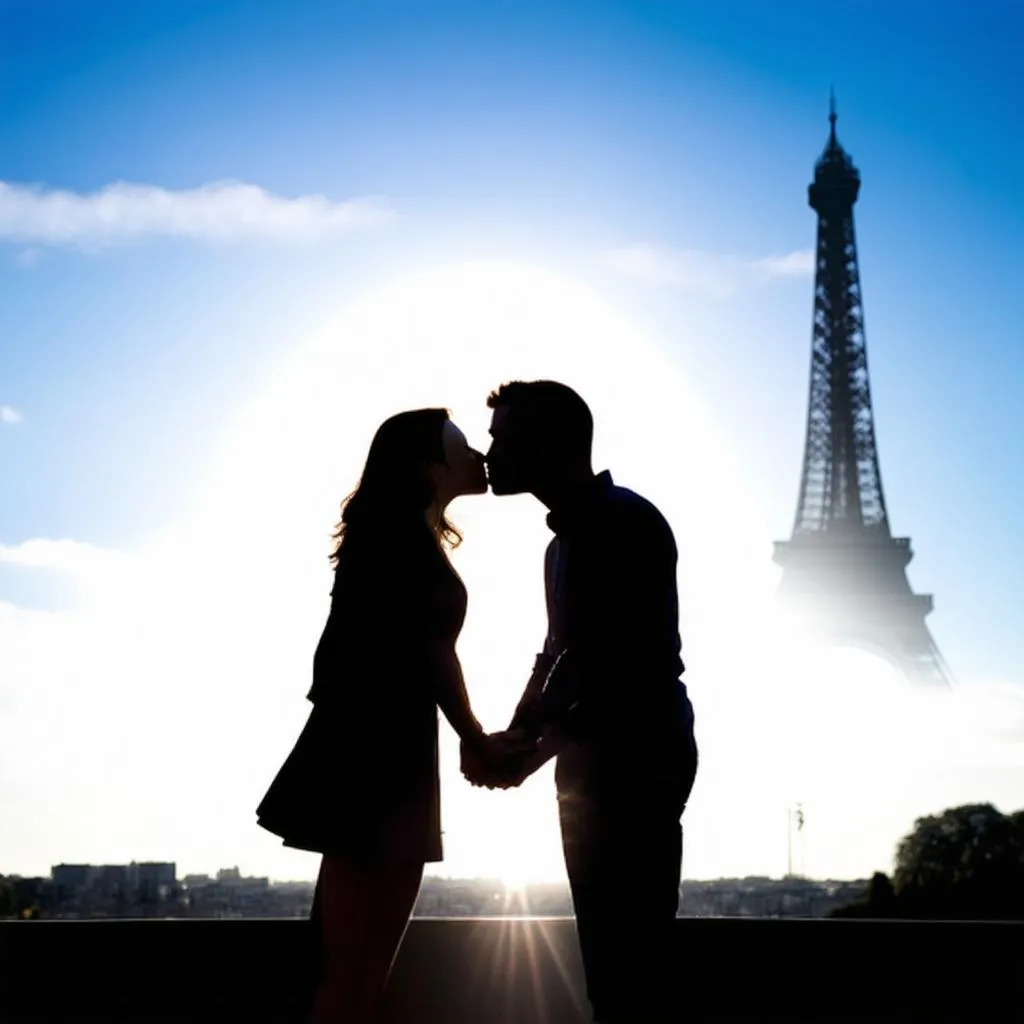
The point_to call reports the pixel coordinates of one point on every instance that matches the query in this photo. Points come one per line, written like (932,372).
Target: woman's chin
(479,486)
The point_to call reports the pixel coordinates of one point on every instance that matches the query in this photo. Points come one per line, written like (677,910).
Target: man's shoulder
(633,509)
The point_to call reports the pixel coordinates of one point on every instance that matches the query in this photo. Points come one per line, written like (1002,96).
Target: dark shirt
(613,646)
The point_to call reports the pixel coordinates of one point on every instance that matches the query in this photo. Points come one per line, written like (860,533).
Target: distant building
(147,888)
(232,894)
(72,876)
(71,883)
(155,885)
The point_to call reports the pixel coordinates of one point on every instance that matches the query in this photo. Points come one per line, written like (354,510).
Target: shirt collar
(576,505)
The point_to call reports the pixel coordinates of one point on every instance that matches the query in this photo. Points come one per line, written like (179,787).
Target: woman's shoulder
(369,555)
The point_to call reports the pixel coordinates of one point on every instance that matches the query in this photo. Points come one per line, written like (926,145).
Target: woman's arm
(484,757)
(452,696)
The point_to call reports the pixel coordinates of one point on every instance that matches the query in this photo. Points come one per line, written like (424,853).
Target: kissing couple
(605,697)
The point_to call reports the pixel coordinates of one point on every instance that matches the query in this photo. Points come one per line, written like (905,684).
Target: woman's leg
(343,912)
(365,913)
(396,890)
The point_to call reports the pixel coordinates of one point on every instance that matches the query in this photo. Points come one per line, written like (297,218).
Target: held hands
(499,760)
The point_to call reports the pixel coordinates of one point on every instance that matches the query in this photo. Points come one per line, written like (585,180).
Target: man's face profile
(508,459)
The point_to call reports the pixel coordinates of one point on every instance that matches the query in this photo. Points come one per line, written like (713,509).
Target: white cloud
(715,274)
(9,415)
(66,555)
(799,263)
(221,211)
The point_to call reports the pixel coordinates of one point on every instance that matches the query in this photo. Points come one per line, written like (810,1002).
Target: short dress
(362,780)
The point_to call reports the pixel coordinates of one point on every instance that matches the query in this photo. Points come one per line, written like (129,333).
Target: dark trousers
(623,855)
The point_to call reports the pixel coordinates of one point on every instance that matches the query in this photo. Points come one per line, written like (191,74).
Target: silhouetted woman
(361,784)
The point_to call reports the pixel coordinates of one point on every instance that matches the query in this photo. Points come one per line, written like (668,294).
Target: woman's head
(418,460)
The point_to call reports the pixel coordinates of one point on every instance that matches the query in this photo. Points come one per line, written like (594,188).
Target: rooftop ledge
(511,971)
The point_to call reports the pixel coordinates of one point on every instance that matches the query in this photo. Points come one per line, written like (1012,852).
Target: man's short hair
(550,410)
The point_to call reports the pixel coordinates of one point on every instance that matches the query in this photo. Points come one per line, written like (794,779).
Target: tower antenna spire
(832,116)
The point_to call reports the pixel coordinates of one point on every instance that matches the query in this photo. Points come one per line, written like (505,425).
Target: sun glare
(447,337)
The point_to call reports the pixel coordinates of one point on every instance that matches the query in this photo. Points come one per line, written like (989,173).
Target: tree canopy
(967,862)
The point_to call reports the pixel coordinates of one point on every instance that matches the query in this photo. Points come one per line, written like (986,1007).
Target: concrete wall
(517,971)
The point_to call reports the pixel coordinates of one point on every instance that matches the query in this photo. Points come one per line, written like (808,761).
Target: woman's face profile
(464,471)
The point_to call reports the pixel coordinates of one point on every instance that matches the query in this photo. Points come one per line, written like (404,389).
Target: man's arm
(542,665)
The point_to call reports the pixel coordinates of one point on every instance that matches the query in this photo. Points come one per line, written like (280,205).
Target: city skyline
(331,213)
(154,890)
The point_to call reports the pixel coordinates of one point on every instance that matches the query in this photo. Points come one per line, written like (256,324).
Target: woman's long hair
(395,488)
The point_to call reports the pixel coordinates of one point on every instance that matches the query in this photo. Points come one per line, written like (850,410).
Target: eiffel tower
(843,571)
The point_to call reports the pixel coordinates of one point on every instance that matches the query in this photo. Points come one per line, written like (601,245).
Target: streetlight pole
(789,842)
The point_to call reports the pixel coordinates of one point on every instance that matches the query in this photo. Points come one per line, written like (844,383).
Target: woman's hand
(495,760)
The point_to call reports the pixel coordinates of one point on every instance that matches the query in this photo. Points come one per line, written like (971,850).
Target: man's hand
(549,744)
(496,761)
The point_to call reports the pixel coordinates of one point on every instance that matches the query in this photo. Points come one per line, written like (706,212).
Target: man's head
(541,436)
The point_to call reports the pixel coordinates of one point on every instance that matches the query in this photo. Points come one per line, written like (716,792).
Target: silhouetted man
(606,695)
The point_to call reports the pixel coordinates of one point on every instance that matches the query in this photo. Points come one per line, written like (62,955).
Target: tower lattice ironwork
(842,569)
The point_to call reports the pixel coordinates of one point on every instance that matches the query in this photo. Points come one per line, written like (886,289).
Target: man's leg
(583,861)
(623,860)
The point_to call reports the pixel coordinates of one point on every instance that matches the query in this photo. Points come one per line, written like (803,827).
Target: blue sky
(548,134)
